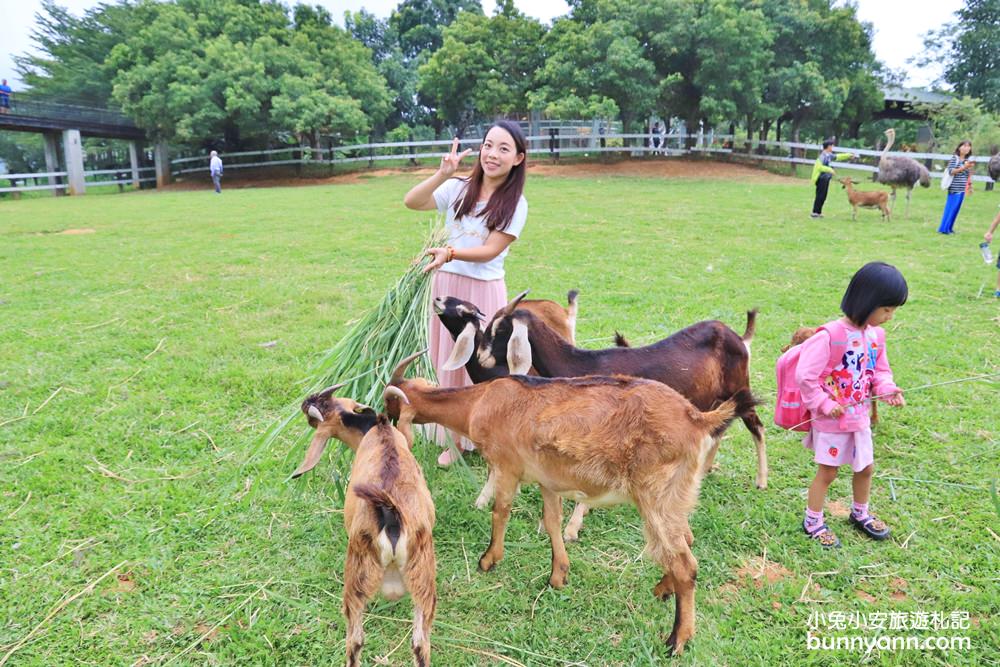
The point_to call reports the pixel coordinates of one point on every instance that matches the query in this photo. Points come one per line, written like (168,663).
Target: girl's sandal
(826,537)
(871,526)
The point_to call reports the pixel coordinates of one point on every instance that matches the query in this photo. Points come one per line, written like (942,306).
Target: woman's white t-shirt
(471,232)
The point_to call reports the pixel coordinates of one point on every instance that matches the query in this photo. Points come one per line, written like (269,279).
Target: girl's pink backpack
(789,410)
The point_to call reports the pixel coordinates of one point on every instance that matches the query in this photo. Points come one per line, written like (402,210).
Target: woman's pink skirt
(489,296)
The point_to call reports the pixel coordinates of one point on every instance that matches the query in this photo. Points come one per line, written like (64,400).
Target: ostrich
(900,172)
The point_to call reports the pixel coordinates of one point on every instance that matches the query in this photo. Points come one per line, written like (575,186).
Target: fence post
(133,156)
(332,154)
(371,155)
(554,142)
(413,151)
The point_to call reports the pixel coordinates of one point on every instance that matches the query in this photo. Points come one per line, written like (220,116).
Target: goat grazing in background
(600,440)
(388,514)
(877,199)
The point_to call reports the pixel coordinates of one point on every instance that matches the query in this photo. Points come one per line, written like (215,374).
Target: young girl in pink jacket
(839,370)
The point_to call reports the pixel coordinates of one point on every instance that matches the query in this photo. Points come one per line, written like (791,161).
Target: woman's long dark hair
(499,210)
(962,143)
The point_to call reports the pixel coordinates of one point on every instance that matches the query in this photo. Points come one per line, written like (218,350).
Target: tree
(201,70)
(593,70)
(72,64)
(967,50)
(420,23)
(485,65)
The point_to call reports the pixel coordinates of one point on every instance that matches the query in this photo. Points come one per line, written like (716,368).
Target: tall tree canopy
(201,70)
(967,49)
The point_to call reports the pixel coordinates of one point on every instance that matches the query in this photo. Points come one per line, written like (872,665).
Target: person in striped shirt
(960,166)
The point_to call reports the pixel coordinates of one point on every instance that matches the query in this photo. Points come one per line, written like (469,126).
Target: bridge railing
(33,106)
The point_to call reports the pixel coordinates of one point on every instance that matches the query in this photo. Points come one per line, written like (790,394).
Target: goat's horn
(396,392)
(314,412)
(397,375)
(332,388)
(509,308)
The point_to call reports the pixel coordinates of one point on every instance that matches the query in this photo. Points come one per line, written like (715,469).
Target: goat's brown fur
(876,199)
(388,516)
(597,439)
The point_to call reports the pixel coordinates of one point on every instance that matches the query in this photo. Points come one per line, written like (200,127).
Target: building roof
(914,95)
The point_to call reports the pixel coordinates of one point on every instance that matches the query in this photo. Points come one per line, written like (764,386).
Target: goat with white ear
(388,515)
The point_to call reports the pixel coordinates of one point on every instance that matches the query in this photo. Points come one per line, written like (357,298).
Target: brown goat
(876,199)
(707,362)
(388,515)
(600,440)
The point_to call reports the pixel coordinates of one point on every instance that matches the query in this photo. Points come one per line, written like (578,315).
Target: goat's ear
(519,349)
(465,344)
(313,454)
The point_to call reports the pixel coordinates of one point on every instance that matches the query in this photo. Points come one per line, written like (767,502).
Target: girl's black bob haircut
(875,285)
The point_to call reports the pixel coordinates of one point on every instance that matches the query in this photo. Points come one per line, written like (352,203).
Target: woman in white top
(484,214)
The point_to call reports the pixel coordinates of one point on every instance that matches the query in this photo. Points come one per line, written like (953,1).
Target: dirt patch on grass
(85,230)
(762,571)
(838,509)
(661,168)
(666,168)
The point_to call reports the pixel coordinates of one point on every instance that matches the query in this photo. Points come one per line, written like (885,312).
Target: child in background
(988,237)
(838,373)
(822,174)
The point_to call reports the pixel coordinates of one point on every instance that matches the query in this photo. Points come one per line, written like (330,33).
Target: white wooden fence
(577,141)
(581,143)
(123,176)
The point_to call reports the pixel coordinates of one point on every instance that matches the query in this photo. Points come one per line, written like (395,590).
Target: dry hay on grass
(667,168)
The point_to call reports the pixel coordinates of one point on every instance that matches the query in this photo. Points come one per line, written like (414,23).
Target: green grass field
(140,365)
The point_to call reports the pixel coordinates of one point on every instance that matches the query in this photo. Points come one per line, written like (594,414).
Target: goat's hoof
(761,484)
(559,576)
(486,563)
(571,536)
(662,592)
(675,647)
(482,503)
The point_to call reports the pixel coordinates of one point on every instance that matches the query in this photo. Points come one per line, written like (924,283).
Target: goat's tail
(741,404)
(751,328)
(572,307)
(390,519)
(621,341)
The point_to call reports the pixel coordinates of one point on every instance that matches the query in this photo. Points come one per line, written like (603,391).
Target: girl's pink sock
(813,519)
(859,510)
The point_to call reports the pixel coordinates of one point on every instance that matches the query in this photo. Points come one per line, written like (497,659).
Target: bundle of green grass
(366,356)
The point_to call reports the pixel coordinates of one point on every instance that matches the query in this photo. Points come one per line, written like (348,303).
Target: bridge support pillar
(133,156)
(161,157)
(52,160)
(73,151)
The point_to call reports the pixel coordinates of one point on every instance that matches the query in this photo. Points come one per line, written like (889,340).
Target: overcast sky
(899,25)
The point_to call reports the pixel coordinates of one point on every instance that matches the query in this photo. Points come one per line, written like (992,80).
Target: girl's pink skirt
(489,296)
(838,449)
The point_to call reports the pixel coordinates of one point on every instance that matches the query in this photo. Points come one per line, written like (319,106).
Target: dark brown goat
(706,362)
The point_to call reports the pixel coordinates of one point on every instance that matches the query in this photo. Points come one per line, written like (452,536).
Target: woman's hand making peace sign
(449,162)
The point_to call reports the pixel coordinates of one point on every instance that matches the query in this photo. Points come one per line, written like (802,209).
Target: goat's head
(462,320)
(801,335)
(333,417)
(397,403)
(505,340)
